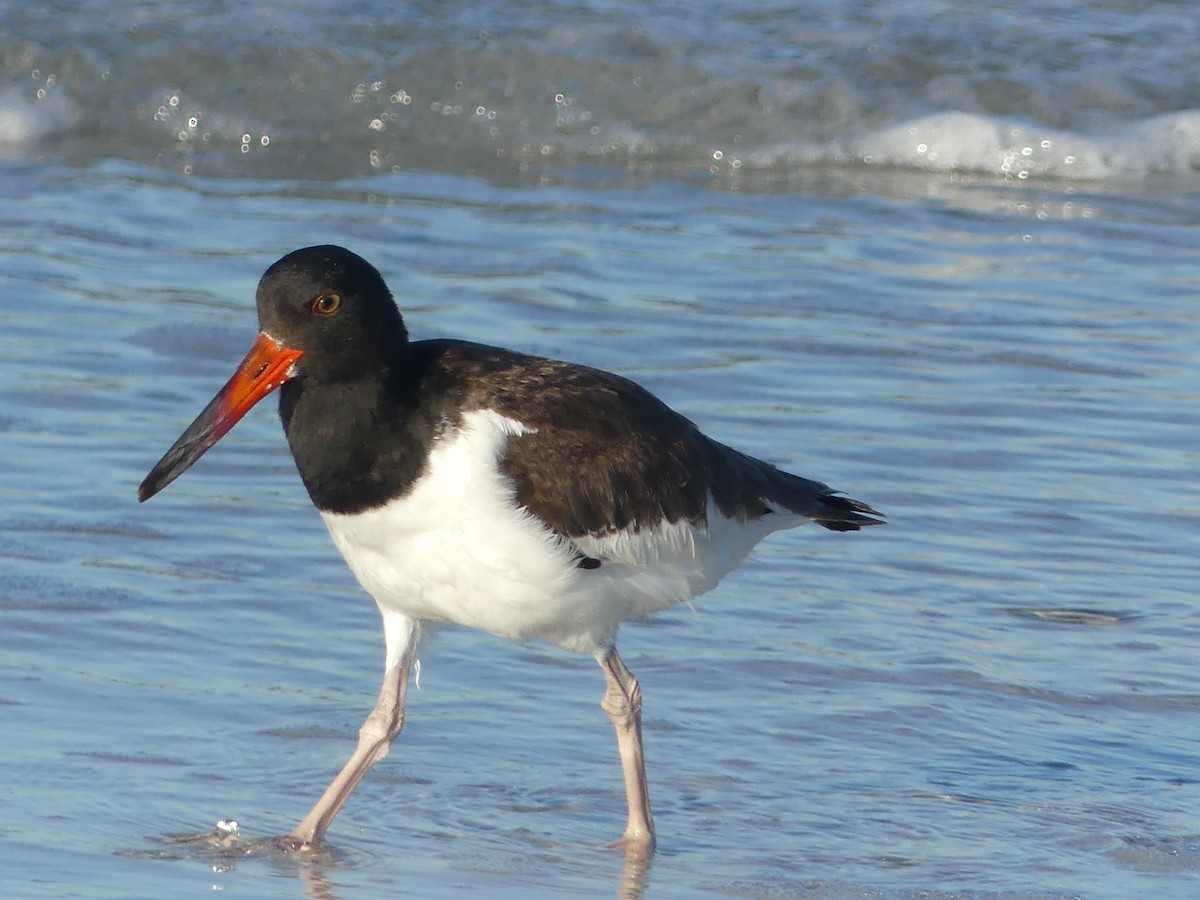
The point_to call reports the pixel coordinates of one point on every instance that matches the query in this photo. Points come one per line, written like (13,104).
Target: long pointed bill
(266,367)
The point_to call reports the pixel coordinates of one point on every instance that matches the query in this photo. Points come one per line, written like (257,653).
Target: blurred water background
(941,255)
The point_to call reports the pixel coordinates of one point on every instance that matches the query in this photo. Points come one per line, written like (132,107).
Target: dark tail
(819,502)
(751,487)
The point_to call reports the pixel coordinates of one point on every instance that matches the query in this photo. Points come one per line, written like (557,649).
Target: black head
(334,307)
(325,317)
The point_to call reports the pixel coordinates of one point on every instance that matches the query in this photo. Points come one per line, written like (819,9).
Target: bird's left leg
(623,703)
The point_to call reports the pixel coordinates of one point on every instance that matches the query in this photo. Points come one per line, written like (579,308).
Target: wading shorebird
(478,486)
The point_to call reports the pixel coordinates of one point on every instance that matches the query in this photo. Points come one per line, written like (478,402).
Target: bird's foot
(289,843)
(226,837)
(637,844)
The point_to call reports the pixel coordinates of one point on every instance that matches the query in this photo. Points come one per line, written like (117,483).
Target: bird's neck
(357,443)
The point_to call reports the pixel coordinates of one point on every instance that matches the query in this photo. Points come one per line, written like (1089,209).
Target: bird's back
(601,454)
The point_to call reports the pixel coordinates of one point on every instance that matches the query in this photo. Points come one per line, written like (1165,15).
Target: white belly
(458,549)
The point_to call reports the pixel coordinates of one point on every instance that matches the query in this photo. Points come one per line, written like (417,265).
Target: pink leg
(623,703)
(374,741)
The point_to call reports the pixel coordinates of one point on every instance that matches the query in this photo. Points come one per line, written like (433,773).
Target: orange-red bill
(266,367)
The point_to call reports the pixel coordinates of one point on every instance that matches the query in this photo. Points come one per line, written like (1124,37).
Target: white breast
(458,549)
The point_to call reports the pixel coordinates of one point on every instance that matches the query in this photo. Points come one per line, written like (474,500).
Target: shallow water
(994,696)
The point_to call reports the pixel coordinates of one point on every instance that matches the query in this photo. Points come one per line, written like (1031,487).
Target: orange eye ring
(326,304)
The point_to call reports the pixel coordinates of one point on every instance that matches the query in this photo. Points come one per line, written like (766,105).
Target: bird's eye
(326,304)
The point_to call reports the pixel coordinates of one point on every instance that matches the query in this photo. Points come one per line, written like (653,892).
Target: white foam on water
(680,95)
(28,117)
(955,141)
(944,142)
(964,142)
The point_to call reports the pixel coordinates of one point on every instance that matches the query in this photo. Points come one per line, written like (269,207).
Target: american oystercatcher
(483,487)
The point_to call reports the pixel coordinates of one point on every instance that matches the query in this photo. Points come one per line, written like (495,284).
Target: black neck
(358,443)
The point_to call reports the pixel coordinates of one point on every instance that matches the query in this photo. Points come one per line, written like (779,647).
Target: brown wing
(606,454)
